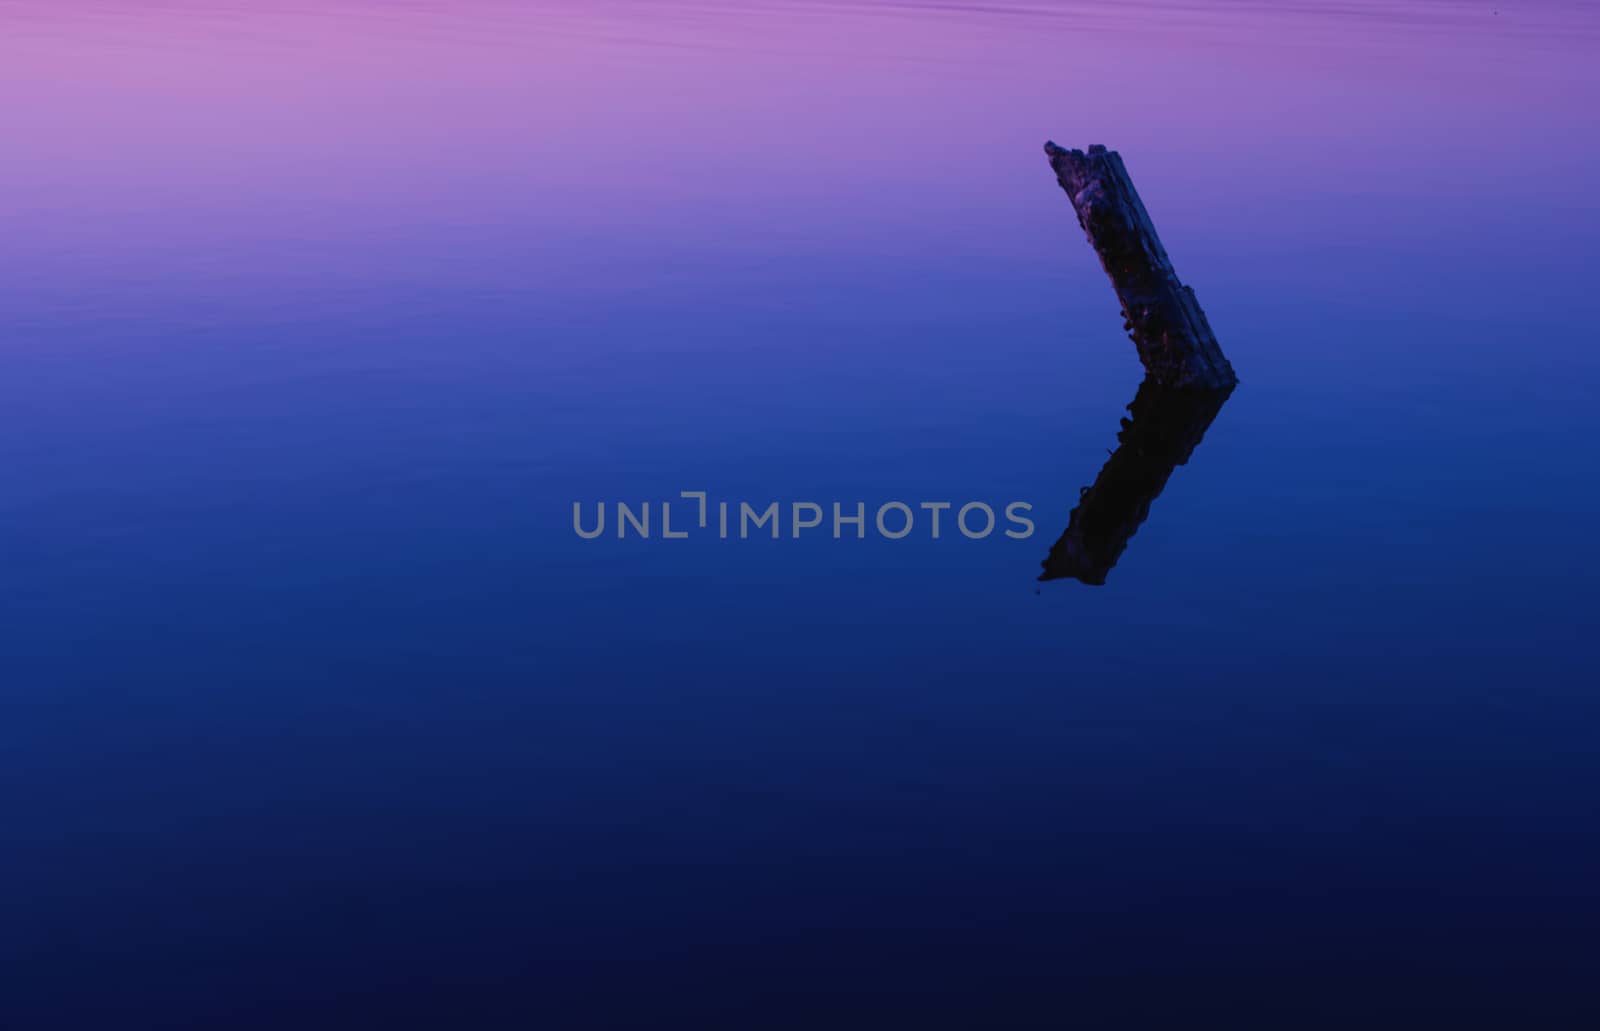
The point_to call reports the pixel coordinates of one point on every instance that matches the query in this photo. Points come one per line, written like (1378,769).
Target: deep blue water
(318,713)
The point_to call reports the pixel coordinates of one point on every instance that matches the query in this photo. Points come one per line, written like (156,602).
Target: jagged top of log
(1077,159)
(1053,148)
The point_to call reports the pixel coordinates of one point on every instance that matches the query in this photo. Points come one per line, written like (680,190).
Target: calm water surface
(317,318)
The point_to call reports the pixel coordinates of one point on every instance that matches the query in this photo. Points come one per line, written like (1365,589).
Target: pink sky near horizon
(137,131)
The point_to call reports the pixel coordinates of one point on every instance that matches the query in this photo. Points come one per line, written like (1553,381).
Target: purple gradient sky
(142,133)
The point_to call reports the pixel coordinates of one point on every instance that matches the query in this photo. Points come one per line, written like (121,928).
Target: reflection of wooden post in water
(1175,342)
(1165,427)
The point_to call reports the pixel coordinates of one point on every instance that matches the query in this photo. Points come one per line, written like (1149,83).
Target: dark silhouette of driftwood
(1161,314)
(1164,428)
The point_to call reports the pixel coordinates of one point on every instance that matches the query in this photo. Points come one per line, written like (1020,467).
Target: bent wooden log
(1161,314)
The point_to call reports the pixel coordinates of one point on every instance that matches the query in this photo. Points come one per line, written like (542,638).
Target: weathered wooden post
(1161,314)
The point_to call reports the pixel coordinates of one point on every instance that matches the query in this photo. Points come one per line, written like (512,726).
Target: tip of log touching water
(1161,315)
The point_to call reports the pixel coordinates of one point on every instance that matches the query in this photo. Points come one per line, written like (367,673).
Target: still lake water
(318,318)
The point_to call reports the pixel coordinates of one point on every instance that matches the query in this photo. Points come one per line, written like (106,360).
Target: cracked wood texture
(1161,314)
